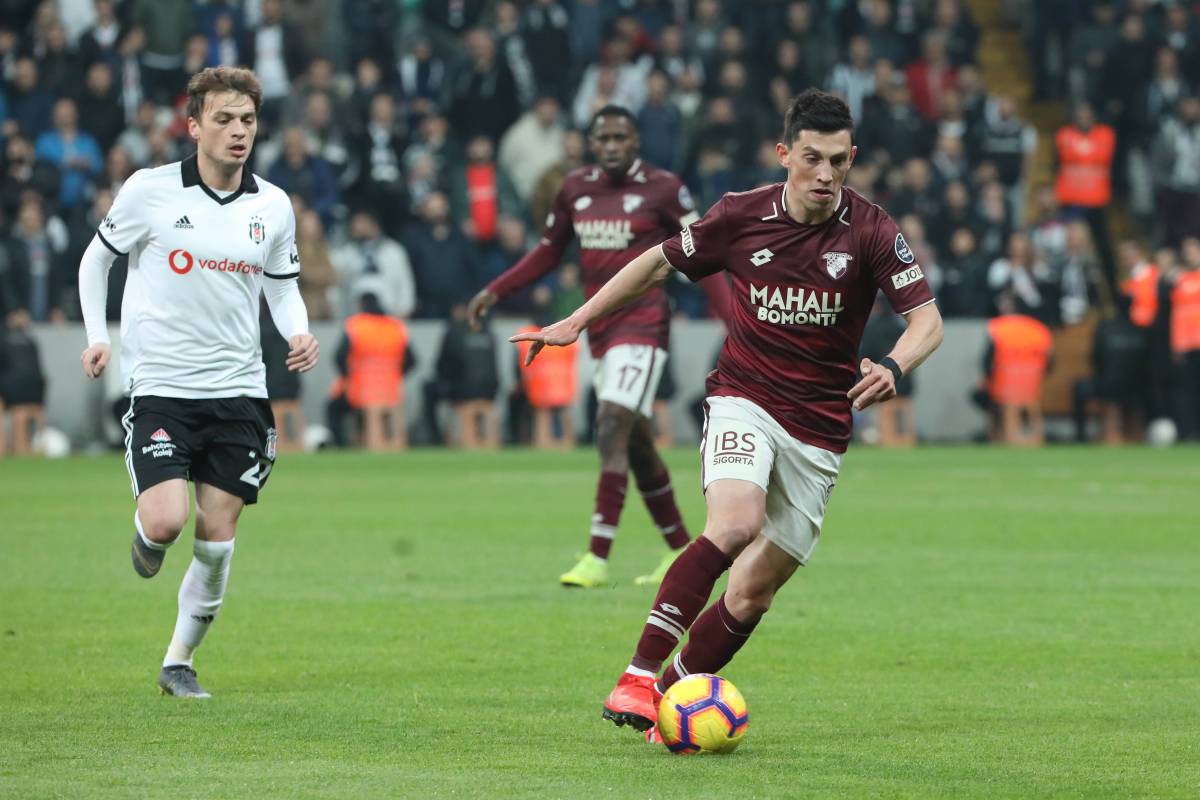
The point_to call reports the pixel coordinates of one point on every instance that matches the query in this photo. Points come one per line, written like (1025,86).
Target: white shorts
(628,375)
(744,442)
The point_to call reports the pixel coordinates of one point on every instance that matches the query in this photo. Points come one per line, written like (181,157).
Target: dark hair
(814,110)
(612,111)
(221,79)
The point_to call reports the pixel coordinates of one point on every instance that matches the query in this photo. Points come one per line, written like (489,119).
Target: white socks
(137,523)
(200,597)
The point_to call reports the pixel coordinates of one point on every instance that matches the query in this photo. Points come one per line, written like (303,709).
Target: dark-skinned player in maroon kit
(806,258)
(617,208)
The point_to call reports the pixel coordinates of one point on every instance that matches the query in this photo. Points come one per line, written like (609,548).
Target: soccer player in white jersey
(205,239)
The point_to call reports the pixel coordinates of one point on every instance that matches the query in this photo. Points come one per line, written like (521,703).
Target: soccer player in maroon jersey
(617,209)
(806,258)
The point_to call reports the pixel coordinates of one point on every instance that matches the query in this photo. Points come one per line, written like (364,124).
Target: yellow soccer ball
(702,714)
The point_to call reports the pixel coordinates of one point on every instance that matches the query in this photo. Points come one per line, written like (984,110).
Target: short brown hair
(222,79)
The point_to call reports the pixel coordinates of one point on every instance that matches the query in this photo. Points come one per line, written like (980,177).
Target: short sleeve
(676,206)
(895,268)
(699,249)
(284,259)
(126,225)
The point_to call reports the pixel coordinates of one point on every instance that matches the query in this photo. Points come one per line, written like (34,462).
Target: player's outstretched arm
(635,279)
(919,340)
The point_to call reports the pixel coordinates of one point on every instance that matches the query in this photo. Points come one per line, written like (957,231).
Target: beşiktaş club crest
(258,231)
(836,264)
(630,202)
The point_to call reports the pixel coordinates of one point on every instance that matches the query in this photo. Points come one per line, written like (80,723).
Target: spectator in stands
(1010,143)
(23,174)
(497,256)
(1177,165)
(29,104)
(57,64)
(1024,275)
(224,49)
(275,51)
(1128,66)
(483,92)
(660,124)
(380,186)
(1085,150)
(964,291)
(166,25)
(298,172)
(99,112)
(38,275)
(804,50)
(931,76)
(466,368)
(506,24)
(893,125)
(547,34)
(1182,34)
(128,72)
(73,151)
(370,253)
(1080,277)
(99,41)
(443,260)
(917,194)
(547,186)
(674,58)
(879,29)
(704,31)
(854,78)
(480,192)
(532,145)
(421,77)
(318,278)
(327,138)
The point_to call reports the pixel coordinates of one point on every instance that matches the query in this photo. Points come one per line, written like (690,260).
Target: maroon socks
(610,498)
(712,643)
(659,498)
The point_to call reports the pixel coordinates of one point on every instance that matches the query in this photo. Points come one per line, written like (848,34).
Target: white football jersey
(189,317)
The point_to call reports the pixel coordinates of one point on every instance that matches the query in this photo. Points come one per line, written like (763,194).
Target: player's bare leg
(736,512)
(613,426)
(717,634)
(654,483)
(162,511)
(202,589)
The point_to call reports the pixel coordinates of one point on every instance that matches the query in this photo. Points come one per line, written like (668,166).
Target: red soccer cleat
(633,702)
(653,736)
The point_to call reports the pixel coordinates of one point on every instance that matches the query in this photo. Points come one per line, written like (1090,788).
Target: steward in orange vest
(549,382)
(1085,156)
(1185,313)
(1142,288)
(373,357)
(1020,353)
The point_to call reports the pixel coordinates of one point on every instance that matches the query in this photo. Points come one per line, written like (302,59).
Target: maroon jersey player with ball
(806,258)
(617,209)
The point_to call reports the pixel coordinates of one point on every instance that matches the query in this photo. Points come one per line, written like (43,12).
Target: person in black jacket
(466,369)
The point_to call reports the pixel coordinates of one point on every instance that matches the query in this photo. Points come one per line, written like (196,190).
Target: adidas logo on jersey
(160,436)
(184,222)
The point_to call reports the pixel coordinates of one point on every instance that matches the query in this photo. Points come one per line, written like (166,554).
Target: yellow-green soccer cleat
(655,577)
(589,573)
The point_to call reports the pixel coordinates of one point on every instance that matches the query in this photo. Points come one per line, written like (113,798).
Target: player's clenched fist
(877,385)
(480,304)
(95,359)
(304,352)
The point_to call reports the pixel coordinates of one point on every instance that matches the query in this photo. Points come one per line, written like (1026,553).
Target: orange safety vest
(375,367)
(1022,350)
(550,381)
(1085,164)
(1185,313)
(1142,288)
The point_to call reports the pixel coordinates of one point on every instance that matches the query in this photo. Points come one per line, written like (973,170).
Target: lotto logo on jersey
(181,263)
(795,305)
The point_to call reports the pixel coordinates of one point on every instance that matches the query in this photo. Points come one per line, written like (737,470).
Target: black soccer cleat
(146,560)
(179,680)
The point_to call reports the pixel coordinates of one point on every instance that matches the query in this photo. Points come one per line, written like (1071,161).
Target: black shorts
(228,443)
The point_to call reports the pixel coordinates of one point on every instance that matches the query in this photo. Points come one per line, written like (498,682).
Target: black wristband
(890,363)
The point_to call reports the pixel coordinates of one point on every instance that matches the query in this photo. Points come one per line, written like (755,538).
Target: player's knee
(734,532)
(749,603)
(162,525)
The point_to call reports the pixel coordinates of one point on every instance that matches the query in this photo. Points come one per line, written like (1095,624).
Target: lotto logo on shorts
(730,447)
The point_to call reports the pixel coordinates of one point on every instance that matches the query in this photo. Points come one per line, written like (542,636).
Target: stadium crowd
(423,142)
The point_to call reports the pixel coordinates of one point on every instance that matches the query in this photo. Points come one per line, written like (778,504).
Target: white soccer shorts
(628,375)
(744,442)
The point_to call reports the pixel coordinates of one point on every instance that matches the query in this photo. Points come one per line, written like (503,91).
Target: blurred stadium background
(1042,156)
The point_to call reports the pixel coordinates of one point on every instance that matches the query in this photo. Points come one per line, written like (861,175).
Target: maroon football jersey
(801,298)
(615,221)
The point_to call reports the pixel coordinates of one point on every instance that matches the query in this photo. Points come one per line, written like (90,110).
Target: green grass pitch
(976,623)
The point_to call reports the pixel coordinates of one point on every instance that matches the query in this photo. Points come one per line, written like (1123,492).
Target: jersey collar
(190,171)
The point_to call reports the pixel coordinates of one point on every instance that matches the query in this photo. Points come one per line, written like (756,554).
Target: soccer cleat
(633,702)
(653,736)
(589,573)
(146,560)
(179,680)
(655,577)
